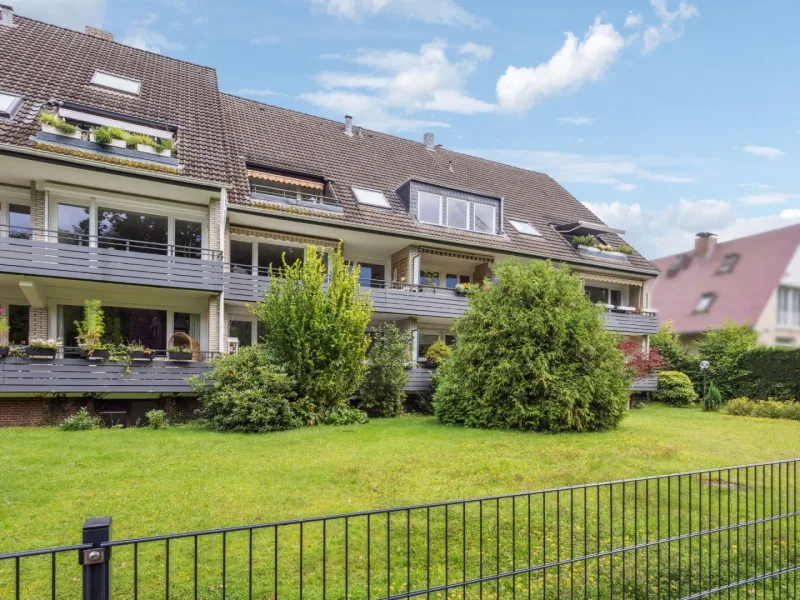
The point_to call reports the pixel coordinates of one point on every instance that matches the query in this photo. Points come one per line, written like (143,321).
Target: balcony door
(262,258)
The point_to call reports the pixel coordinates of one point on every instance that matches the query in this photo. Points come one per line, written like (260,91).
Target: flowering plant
(50,344)
(462,288)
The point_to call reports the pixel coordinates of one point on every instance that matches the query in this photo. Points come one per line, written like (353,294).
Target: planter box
(115,143)
(145,148)
(78,135)
(99,355)
(40,352)
(3,351)
(165,153)
(141,355)
(180,356)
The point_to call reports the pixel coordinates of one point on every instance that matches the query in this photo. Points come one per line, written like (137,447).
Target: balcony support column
(38,212)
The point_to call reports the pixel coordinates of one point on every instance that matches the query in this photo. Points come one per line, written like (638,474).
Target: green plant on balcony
(49,344)
(3,333)
(52,119)
(584,240)
(164,145)
(134,141)
(138,351)
(625,249)
(91,329)
(102,135)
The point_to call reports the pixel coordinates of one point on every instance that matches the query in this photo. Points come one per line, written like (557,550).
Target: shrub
(765,409)
(724,348)
(341,415)
(80,421)
(741,407)
(381,393)
(317,334)
(138,138)
(90,331)
(532,354)
(675,389)
(102,135)
(773,373)
(676,356)
(60,124)
(157,419)
(247,392)
(438,351)
(584,240)
(625,249)
(713,399)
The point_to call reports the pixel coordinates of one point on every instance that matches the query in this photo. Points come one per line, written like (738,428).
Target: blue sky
(664,117)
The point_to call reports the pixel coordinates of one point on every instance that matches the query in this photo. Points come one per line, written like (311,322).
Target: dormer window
(9,104)
(457,213)
(728,263)
(277,187)
(430,208)
(469,212)
(117,82)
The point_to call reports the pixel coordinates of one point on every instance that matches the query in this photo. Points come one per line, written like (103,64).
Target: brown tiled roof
(275,137)
(44,62)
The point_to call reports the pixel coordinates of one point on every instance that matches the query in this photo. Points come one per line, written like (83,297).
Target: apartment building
(175,230)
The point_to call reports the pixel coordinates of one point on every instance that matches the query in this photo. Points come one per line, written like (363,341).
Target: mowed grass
(188,478)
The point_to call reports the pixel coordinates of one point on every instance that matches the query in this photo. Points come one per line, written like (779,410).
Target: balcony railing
(69,255)
(630,320)
(80,376)
(267,193)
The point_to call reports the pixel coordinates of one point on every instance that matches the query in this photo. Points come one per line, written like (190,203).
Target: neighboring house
(753,280)
(179,241)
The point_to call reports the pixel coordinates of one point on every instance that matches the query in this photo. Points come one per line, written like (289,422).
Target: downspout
(223,216)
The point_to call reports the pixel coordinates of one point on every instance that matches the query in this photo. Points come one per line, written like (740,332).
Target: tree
(724,348)
(315,326)
(676,356)
(381,393)
(712,399)
(639,362)
(532,354)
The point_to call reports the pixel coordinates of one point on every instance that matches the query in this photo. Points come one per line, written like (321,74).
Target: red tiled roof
(741,294)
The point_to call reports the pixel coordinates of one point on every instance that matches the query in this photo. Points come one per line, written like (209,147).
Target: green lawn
(187,478)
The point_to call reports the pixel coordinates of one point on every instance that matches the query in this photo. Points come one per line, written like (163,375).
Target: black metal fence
(717,533)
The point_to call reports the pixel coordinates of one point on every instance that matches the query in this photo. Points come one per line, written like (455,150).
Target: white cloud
(476,51)
(617,214)
(576,120)
(400,81)
(768,198)
(618,172)
(433,12)
(633,20)
(141,35)
(765,152)
(703,214)
(574,64)
(258,93)
(671,27)
(74,14)
(265,40)
(790,213)
(755,186)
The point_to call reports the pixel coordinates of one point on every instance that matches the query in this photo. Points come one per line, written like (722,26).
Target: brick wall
(38,211)
(213,323)
(16,412)
(214,209)
(402,263)
(37,324)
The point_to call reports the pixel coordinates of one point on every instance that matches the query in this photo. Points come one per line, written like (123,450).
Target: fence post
(96,560)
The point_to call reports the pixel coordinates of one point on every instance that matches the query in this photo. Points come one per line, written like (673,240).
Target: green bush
(677,357)
(157,419)
(341,415)
(773,373)
(675,389)
(381,393)
(740,407)
(247,392)
(438,351)
(625,249)
(80,421)
(318,334)
(765,409)
(724,348)
(713,399)
(532,354)
(584,240)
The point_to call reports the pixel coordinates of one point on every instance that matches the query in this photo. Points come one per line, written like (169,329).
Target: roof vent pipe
(704,244)
(348,125)
(429,142)
(6,15)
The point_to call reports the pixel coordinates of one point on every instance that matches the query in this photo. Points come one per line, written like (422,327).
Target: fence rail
(711,533)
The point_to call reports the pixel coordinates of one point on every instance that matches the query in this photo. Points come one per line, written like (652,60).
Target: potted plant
(3,333)
(142,143)
(180,353)
(109,136)
(52,123)
(584,240)
(139,352)
(43,348)
(165,147)
(91,330)
(463,289)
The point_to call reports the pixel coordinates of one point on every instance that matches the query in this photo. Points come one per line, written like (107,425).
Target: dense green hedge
(675,389)
(773,373)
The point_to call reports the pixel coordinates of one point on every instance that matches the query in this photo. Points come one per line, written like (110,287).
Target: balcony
(43,253)
(387,297)
(630,321)
(80,376)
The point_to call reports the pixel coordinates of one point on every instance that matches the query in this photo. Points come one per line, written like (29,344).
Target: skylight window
(9,103)
(115,82)
(524,227)
(371,197)
(706,300)
(728,263)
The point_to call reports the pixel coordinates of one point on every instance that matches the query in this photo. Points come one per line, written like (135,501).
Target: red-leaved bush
(641,363)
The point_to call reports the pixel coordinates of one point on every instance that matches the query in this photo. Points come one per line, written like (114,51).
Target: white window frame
(99,73)
(493,220)
(16,102)
(469,212)
(8,196)
(384,204)
(517,224)
(788,316)
(93,202)
(419,205)
(254,240)
(703,305)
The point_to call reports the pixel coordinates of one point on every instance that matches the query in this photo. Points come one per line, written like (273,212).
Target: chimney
(99,33)
(348,125)
(6,15)
(429,142)
(704,244)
